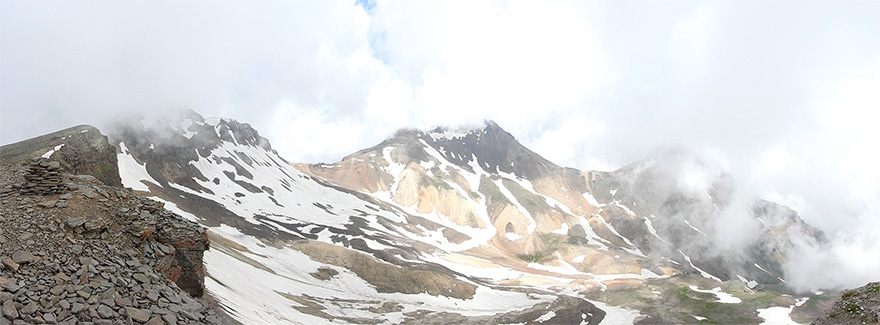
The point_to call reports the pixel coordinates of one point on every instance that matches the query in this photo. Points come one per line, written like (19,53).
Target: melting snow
(780,315)
(592,200)
(131,172)
(703,273)
(653,231)
(532,223)
(562,230)
(185,124)
(50,152)
(549,315)
(723,297)
(695,228)
(512,236)
(762,269)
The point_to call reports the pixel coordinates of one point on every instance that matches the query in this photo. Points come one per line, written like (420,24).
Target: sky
(783,94)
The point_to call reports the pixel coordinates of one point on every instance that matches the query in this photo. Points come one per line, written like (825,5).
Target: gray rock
(106,312)
(29,309)
(170,318)
(10,286)
(65,196)
(155,321)
(77,308)
(23,257)
(50,318)
(141,277)
(139,315)
(75,222)
(153,295)
(47,203)
(10,264)
(56,290)
(9,309)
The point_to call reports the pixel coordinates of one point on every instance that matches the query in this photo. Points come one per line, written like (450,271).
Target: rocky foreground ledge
(88,253)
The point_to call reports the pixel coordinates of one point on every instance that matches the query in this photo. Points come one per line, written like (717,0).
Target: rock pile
(97,254)
(43,178)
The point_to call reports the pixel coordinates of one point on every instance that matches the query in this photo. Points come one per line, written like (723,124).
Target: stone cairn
(43,178)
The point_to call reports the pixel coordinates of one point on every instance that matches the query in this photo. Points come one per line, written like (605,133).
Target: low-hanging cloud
(785,92)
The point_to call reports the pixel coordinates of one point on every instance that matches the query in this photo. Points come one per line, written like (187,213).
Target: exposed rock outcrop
(86,252)
(856,306)
(80,150)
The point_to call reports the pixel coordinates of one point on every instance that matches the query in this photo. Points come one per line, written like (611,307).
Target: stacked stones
(43,178)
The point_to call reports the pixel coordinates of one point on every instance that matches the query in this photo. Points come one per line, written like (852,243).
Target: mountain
(75,250)
(456,226)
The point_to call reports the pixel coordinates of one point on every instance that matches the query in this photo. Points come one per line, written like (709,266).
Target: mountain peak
(490,147)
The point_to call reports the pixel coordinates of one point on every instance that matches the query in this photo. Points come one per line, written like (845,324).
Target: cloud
(785,91)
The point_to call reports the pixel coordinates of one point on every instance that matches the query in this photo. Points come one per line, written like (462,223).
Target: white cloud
(786,91)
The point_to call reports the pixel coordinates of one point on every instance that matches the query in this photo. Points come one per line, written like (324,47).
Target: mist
(781,95)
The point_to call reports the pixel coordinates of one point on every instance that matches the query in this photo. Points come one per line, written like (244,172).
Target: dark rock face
(493,149)
(167,148)
(856,306)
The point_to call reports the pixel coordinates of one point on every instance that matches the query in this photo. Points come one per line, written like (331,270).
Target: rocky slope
(80,150)
(857,306)
(82,251)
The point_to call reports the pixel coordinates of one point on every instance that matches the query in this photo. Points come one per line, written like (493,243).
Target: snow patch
(703,273)
(50,152)
(563,230)
(132,173)
(723,297)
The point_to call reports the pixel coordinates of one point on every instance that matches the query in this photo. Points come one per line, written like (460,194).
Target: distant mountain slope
(452,226)
(330,252)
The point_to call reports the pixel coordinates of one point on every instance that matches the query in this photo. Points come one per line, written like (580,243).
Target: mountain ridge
(471,216)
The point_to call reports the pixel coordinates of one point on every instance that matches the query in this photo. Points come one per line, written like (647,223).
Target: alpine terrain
(448,226)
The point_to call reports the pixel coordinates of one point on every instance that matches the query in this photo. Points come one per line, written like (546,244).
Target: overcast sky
(785,94)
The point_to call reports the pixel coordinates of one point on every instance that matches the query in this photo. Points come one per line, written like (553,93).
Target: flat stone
(29,309)
(153,295)
(23,257)
(170,318)
(2,238)
(156,321)
(47,203)
(76,308)
(105,312)
(139,315)
(141,277)
(9,309)
(9,263)
(74,222)
(66,196)
(56,290)
(9,285)
(50,318)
